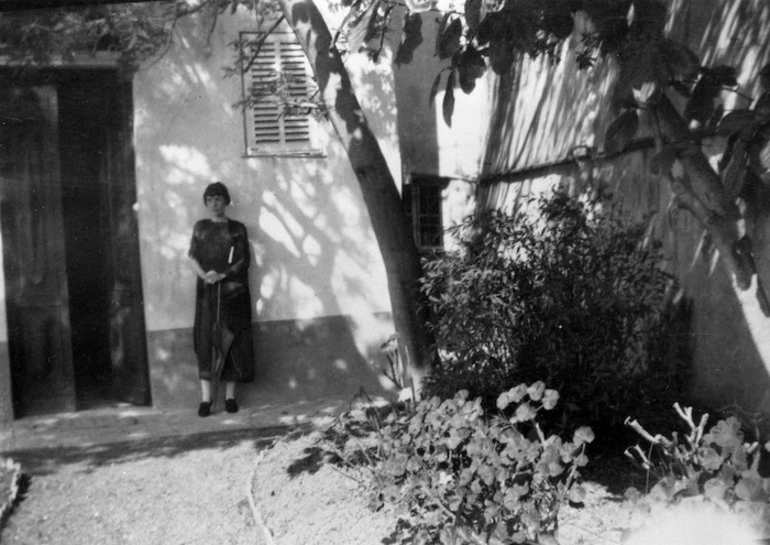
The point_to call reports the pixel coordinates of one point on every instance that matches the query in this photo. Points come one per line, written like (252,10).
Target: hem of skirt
(227,379)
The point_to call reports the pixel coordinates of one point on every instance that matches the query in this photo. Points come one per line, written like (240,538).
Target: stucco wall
(428,145)
(556,109)
(315,253)
(550,111)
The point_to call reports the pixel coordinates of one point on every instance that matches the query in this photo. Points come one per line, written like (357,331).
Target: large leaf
(357,25)
(764,77)
(735,174)
(647,93)
(621,132)
(501,56)
(679,59)
(736,121)
(449,35)
(611,23)
(434,88)
(700,107)
(760,155)
(660,61)
(473,14)
(639,64)
(411,39)
(722,75)
(681,88)
(749,488)
(470,66)
(486,28)
(762,107)
(558,20)
(448,105)
(719,113)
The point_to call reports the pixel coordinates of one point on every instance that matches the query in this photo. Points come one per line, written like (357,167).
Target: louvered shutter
(280,61)
(296,128)
(265,115)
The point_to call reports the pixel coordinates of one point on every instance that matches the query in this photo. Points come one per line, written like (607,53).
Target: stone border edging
(7,503)
(258,520)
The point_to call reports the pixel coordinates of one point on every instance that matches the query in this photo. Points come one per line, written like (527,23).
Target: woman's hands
(212,277)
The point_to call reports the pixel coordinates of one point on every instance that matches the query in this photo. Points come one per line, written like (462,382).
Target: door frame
(131,372)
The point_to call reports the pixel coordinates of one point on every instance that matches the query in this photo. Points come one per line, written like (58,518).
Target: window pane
(422,200)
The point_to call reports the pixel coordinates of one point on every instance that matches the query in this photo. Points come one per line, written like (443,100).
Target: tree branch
(258,43)
(706,182)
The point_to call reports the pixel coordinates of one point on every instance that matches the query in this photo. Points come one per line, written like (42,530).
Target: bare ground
(178,491)
(197,489)
(325,504)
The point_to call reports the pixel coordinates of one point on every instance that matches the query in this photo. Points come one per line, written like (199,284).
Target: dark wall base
(6,404)
(295,361)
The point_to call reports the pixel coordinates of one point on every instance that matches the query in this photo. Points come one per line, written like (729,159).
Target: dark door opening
(70,242)
(84,116)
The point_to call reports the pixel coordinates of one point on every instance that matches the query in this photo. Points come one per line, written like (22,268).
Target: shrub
(715,466)
(571,295)
(460,476)
(10,486)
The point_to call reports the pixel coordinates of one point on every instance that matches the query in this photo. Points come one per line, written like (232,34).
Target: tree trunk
(703,194)
(381,196)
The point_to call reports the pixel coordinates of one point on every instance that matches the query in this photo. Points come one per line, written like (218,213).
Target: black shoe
(204,409)
(231,406)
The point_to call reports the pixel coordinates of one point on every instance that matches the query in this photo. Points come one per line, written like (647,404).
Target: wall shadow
(542,113)
(318,285)
(41,462)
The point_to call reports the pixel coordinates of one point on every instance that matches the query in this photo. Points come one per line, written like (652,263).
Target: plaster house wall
(732,365)
(535,115)
(558,119)
(320,299)
(319,292)
(428,145)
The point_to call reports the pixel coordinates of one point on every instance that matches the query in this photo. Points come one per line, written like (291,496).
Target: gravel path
(177,491)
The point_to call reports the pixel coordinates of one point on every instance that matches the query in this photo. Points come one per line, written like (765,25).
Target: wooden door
(33,252)
(128,349)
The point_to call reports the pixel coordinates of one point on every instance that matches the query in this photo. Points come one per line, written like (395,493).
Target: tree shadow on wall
(314,250)
(543,113)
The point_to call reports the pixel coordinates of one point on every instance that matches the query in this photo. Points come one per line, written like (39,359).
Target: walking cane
(218,363)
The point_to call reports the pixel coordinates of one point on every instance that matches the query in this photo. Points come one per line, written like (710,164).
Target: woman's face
(216,205)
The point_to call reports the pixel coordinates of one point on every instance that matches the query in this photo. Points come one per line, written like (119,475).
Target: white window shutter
(268,128)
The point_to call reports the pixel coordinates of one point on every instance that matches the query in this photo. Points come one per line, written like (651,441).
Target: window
(273,126)
(422,200)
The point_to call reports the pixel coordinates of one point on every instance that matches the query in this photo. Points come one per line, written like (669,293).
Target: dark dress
(211,245)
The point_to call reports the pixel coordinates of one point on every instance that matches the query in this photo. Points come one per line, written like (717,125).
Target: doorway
(70,245)
(83,117)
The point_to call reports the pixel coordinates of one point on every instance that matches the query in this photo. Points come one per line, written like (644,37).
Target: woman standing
(220,255)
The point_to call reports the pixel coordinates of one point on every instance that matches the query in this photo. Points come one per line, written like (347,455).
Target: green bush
(570,294)
(717,466)
(459,476)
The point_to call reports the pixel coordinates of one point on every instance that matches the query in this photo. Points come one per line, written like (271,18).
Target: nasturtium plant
(716,465)
(458,474)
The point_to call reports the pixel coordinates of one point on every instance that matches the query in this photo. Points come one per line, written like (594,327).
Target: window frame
(411,197)
(305,148)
